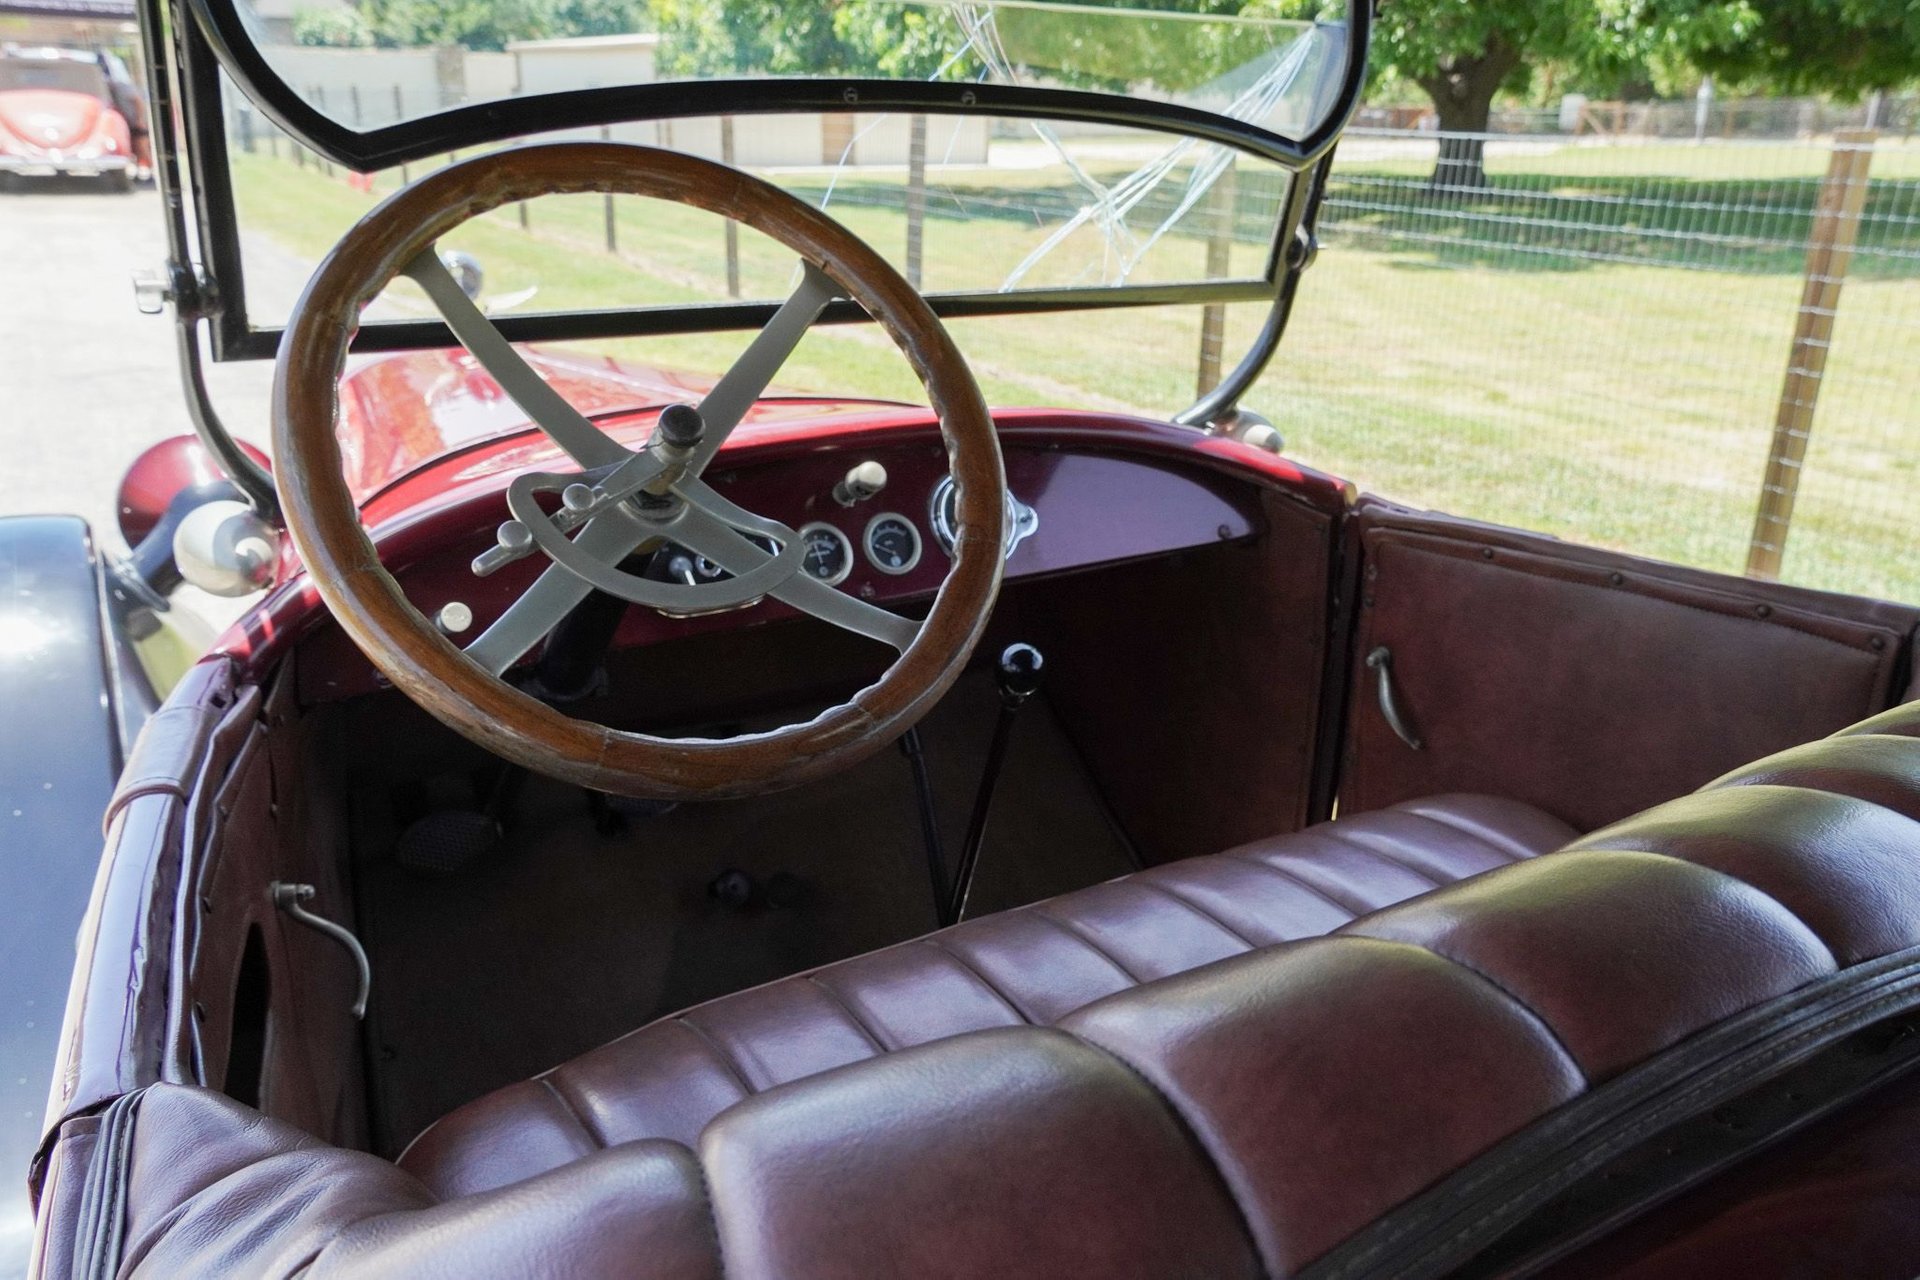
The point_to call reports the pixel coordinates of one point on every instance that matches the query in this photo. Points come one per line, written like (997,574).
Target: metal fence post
(1836,224)
(733,228)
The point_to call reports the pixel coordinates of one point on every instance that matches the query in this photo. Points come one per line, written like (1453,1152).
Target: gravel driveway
(86,381)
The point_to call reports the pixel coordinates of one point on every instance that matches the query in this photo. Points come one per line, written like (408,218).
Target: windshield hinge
(186,288)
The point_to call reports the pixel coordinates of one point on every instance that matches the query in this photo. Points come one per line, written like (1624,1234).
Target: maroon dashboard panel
(1089,508)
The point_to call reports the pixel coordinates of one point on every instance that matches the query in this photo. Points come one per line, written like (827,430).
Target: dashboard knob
(1018,673)
(860,484)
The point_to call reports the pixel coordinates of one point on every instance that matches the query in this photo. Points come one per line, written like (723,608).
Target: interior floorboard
(562,938)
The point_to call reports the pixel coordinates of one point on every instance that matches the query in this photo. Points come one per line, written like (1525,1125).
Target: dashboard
(877,522)
(876,538)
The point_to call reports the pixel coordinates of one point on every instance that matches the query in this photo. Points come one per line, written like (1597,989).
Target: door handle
(292,899)
(1380,662)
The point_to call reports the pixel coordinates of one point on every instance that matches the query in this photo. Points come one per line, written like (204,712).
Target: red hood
(50,118)
(402,412)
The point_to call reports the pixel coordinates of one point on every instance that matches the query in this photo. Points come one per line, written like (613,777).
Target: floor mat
(563,938)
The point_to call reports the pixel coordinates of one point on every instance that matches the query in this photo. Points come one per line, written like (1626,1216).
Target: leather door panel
(1590,683)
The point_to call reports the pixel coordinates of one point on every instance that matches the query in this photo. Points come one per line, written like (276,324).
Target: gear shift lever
(1018,675)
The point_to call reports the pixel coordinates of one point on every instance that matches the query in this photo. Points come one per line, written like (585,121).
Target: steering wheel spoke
(749,377)
(829,604)
(585,443)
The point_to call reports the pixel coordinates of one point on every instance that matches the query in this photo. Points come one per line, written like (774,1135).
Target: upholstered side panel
(266,815)
(1590,684)
(1226,662)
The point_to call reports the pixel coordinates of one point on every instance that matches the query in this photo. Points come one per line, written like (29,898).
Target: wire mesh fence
(1699,352)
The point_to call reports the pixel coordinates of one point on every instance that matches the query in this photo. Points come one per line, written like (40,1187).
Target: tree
(903,40)
(331,28)
(777,37)
(470,24)
(1843,47)
(600,17)
(477,24)
(1463,52)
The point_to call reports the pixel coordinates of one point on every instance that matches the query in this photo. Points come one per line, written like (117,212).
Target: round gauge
(828,555)
(1022,519)
(893,544)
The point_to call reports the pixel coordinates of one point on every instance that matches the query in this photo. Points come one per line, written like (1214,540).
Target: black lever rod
(1018,675)
(915,752)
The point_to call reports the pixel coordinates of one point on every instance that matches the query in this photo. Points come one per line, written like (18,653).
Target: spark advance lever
(1018,674)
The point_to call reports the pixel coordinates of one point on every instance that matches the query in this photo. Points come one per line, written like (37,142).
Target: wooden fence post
(399,114)
(1224,207)
(916,196)
(613,244)
(1836,224)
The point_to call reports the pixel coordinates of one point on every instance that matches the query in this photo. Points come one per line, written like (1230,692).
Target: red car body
(58,117)
(427,439)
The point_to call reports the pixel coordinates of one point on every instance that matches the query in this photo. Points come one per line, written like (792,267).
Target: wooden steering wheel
(622,500)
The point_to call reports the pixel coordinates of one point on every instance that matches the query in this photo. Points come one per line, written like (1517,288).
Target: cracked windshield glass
(959,203)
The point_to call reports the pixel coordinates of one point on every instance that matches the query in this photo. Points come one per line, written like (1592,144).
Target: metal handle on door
(1380,662)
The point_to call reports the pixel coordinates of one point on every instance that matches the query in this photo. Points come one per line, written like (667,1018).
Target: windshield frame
(209,38)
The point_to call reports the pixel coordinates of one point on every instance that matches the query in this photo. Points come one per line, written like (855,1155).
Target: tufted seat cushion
(1032,966)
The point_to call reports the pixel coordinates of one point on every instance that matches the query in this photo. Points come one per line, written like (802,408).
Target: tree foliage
(331,28)
(904,40)
(1462,52)
(779,37)
(1842,47)
(471,24)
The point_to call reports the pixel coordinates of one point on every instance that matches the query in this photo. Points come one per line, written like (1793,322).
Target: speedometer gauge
(828,555)
(942,512)
(893,544)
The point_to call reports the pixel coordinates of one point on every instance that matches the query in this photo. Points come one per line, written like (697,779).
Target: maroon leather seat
(1409,1085)
(1032,966)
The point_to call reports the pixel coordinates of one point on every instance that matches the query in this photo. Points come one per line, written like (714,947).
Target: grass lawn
(1622,403)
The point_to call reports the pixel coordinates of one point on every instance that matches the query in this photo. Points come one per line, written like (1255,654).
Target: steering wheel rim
(410,650)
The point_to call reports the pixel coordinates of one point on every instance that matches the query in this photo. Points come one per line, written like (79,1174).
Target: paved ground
(86,381)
